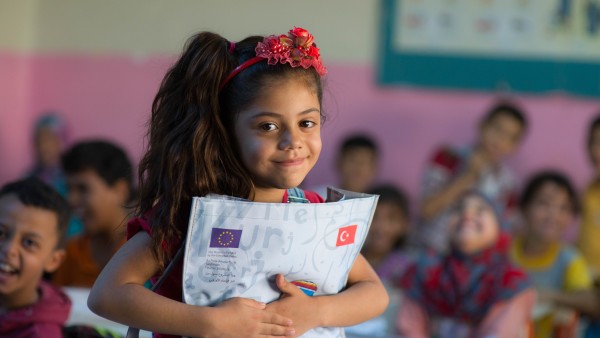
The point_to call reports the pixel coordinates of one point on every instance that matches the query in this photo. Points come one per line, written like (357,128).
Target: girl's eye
(268,126)
(307,124)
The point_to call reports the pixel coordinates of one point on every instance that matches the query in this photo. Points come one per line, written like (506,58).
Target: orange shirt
(79,269)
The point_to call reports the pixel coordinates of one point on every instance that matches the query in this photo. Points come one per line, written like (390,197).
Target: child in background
(451,172)
(474,290)
(356,164)
(240,119)
(589,230)
(33,221)
(549,204)
(385,250)
(99,178)
(49,138)
(384,247)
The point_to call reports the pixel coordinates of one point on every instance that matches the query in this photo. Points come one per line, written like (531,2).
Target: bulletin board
(531,46)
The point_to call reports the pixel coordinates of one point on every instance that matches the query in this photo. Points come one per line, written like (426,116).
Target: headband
(296,48)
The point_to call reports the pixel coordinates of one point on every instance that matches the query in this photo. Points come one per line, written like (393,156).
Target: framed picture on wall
(533,46)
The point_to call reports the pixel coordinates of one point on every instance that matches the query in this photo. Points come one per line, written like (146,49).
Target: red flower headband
(296,48)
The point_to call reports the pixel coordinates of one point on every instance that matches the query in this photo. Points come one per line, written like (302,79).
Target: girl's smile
(279,137)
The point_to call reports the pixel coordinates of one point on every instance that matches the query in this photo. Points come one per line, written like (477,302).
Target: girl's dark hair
(538,180)
(192,150)
(389,193)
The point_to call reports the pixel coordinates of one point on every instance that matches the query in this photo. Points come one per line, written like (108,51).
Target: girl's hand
(247,318)
(296,305)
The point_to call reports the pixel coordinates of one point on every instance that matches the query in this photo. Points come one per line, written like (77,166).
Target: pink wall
(110,97)
(15,96)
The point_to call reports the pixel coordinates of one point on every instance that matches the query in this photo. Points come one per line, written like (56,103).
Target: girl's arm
(119,295)
(364,298)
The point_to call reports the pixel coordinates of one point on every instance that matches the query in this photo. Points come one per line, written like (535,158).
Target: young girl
(549,205)
(473,291)
(240,119)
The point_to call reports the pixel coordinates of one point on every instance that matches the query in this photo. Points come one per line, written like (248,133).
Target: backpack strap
(133,332)
(296,195)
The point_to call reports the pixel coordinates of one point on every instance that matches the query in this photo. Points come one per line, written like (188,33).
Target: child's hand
(247,318)
(296,305)
(477,162)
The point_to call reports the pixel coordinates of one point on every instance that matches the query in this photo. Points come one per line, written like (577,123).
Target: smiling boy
(99,181)
(33,222)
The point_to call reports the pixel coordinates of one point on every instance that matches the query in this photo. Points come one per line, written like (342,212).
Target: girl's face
(473,225)
(594,149)
(548,213)
(388,225)
(279,137)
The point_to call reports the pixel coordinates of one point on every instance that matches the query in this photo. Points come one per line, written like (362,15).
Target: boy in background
(356,165)
(99,181)
(453,171)
(33,223)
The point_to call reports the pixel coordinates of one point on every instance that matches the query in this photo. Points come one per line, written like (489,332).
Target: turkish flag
(346,235)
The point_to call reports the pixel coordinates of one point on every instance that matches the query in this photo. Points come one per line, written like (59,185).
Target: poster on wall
(521,45)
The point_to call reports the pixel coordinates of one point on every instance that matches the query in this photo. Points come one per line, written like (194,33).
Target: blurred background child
(452,171)
(385,249)
(100,182)
(589,229)
(549,204)
(33,221)
(49,139)
(356,164)
(474,290)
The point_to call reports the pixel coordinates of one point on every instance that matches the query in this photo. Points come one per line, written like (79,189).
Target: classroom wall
(100,63)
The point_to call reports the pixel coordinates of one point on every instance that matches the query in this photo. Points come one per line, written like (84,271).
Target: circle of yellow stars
(219,239)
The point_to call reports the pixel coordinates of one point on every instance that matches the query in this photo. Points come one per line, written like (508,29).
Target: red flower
(302,37)
(296,48)
(313,52)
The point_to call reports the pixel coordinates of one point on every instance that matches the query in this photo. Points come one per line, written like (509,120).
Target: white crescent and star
(344,236)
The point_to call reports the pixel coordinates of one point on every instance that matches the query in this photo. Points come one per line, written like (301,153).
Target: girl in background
(240,119)
(473,291)
(559,273)
(385,246)
(49,139)
(385,249)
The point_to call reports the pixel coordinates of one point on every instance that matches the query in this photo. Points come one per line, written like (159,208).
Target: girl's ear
(56,258)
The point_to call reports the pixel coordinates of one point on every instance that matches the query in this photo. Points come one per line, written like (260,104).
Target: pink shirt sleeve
(510,318)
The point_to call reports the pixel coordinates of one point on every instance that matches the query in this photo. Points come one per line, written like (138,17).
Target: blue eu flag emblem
(225,238)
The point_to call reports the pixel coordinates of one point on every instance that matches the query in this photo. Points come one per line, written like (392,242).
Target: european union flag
(225,238)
